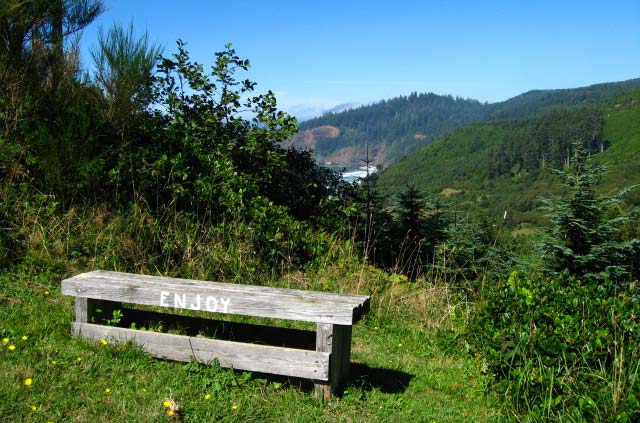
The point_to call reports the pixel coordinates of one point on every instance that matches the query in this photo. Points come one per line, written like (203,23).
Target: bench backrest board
(246,300)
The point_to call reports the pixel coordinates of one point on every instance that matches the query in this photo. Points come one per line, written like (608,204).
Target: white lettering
(214,307)
(225,304)
(194,306)
(163,297)
(179,302)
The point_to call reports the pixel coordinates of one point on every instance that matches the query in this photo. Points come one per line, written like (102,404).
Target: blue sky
(318,54)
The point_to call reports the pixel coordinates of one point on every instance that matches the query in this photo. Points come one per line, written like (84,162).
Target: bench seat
(245,300)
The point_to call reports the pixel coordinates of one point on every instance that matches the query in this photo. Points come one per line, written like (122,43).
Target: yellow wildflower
(103,341)
(375,328)
(234,407)
(79,359)
(12,347)
(400,344)
(5,340)
(167,404)
(28,381)
(34,408)
(46,292)
(107,390)
(24,337)
(53,362)
(207,396)
(170,413)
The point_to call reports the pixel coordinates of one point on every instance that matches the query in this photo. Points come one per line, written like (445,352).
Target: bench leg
(335,339)
(85,309)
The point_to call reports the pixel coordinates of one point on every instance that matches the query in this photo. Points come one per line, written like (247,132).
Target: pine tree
(420,227)
(411,213)
(410,232)
(586,237)
(375,224)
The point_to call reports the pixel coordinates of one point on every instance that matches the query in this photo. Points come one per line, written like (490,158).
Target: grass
(403,368)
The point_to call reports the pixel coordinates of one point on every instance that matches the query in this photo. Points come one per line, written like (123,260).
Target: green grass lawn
(402,371)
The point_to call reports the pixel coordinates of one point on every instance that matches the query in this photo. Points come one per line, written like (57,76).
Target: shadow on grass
(388,381)
(361,376)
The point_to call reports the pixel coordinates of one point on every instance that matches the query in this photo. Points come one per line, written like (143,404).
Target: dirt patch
(524,232)
(307,140)
(326,132)
(448,192)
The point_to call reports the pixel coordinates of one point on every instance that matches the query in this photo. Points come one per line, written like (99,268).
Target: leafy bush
(562,349)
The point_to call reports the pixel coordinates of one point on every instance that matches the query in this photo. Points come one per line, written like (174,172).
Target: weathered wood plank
(241,356)
(324,343)
(335,339)
(217,297)
(84,309)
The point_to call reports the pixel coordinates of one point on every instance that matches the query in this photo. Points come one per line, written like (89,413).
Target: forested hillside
(536,101)
(507,165)
(396,127)
(392,128)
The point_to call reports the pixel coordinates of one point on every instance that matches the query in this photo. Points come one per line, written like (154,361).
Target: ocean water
(357,174)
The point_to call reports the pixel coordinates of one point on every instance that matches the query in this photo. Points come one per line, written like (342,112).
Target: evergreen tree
(586,237)
(411,213)
(410,232)
(124,64)
(49,125)
(420,226)
(375,223)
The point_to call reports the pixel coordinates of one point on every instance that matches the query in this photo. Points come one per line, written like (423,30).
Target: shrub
(560,348)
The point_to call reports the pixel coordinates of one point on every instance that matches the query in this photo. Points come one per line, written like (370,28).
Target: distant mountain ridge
(399,126)
(491,167)
(538,101)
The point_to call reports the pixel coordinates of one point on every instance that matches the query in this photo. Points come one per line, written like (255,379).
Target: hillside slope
(538,101)
(491,168)
(394,128)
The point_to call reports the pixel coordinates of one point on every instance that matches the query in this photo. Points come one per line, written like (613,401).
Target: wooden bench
(333,314)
